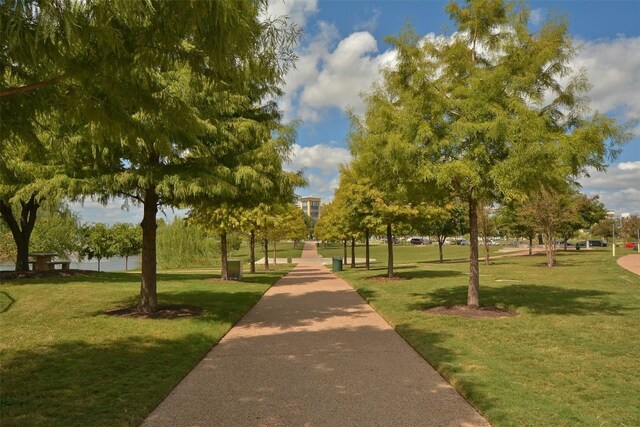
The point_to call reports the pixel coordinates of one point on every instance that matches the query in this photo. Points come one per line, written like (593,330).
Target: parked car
(462,242)
(631,245)
(416,241)
(591,243)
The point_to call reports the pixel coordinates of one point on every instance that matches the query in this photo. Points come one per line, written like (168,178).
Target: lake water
(108,264)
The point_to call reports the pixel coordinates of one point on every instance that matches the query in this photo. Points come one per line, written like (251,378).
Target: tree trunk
(344,254)
(266,254)
(252,251)
(366,248)
(540,241)
(275,253)
(485,243)
(99,264)
(389,251)
(21,232)
(530,244)
(549,247)
(224,273)
(148,287)
(353,252)
(126,263)
(440,244)
(473,299)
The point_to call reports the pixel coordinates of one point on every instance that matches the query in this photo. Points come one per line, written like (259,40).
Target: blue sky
(343,47)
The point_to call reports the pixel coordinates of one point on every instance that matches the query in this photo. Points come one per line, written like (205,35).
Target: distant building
(310,206)
(625,215)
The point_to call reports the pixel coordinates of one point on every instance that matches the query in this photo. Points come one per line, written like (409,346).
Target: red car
(631,245)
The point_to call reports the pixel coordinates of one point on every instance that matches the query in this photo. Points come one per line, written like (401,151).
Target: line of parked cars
(592,243)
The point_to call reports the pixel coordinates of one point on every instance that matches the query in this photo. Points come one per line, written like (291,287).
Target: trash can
(234,270)
(337,264)
(289,260)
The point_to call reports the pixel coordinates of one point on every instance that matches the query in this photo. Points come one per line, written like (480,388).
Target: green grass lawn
(571,356)
(64,362)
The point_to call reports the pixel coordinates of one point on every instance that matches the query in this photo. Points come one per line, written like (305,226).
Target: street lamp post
(612,215)
(613,233)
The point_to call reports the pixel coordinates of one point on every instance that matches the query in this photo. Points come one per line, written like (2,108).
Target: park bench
(64,265)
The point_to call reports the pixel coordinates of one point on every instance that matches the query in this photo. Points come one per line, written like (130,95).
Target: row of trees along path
(490,114)
(160,105)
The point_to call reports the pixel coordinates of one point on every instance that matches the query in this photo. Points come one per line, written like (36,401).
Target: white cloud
(613,68)
(618,187)
(626,166)
(370,24)
(323,157)
(347,71)
(537,16)
(322,185)
(321,163)
(297,10)
(331,73)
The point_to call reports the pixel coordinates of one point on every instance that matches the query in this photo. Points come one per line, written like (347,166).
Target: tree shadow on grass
(432,347)
(81,383)
(134,278)
(428,274)
(220,306)
(536,299)
(411,272)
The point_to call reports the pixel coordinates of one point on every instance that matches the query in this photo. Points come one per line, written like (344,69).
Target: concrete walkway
(313,353)
(630,262)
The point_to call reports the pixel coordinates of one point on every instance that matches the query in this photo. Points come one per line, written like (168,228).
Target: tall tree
(583,213)
(31,176)
(630,227)
(489,114)
(127,241)
(221,220)
(547,210)
(357,199)
(515,222)
(383,159)
(96,241)
(187,109)
(442,222)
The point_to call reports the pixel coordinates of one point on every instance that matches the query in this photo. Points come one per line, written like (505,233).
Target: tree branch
(131,196)
(31,87)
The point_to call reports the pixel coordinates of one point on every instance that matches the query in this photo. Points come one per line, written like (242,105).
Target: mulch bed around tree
(163,312)
(472,313)
(12,275)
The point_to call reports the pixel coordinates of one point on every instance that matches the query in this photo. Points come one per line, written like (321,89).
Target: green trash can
(234,270)
(337,264)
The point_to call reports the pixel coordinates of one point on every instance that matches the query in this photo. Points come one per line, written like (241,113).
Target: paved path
(313,353)
(630,262)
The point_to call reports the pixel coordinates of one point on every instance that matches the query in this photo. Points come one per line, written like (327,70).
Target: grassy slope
(571,357)
(66,363)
